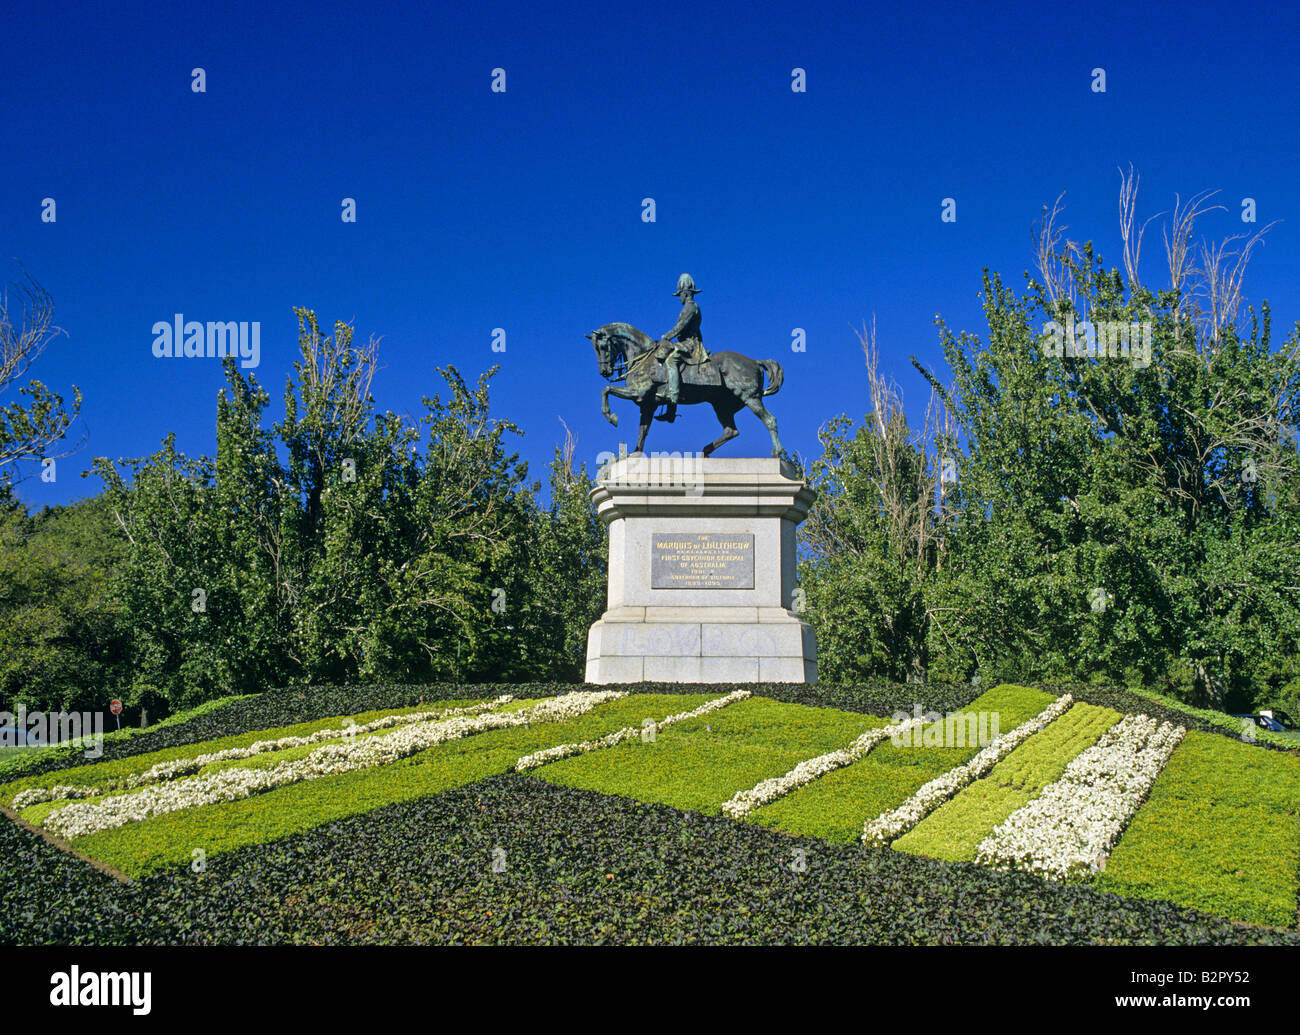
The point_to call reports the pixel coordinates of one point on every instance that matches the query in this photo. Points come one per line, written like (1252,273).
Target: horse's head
(601,342)
(615,345)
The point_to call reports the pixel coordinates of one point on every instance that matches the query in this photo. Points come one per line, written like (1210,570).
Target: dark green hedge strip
(580,868)
(305,704)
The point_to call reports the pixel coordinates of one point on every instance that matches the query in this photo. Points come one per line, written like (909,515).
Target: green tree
(875,538)
(327,547)
(1121,520)
(63,641)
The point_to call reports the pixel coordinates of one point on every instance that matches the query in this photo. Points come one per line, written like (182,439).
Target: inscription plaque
(702,560)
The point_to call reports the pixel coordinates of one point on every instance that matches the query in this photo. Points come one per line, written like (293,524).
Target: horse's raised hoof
(613,418)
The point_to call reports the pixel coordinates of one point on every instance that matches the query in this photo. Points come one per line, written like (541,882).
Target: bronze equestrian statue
(664,371)
(690,345)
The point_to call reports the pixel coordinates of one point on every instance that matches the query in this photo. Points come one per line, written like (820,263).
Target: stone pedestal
(701,573)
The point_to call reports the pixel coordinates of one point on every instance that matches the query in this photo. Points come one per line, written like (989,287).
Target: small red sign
(115,706)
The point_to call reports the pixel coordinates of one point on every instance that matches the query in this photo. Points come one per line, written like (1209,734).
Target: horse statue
(726,380)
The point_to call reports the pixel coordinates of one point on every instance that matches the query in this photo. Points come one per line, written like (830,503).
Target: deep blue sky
(522,210)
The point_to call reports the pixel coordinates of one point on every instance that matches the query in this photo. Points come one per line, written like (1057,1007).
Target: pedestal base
(698,645)
(701,574)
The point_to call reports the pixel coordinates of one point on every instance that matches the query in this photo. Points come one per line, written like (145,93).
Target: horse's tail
(774,373)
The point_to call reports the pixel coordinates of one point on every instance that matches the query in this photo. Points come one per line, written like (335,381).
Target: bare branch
(1128,191)
(1178,240)
(21,345)
(1222,273)
(1057,277)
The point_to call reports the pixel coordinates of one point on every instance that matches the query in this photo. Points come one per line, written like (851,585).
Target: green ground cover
(38,813)
(954,830)
(1220,833)
(836,806)
(172,839)
(701,763)
(580,868)
(1224,721)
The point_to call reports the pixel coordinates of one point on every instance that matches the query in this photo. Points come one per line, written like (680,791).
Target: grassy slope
(1219,833)
(172,839)
(837,805)
(581,868)
(700,763)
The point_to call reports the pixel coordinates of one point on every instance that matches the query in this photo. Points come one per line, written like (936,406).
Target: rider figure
(689,343)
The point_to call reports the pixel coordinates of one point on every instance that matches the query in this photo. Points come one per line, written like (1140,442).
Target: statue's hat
(686,283)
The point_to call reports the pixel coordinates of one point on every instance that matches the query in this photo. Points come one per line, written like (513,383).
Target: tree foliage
(1113,519)
(343,545)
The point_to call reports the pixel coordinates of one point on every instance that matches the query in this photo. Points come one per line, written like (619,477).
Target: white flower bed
(36,795)
(81,818)
(813,768)
(180,766)
(896,822)
(1075,822)
(552,754)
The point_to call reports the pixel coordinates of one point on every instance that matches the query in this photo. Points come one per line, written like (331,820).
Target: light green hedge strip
(836,806)
(1219,833)
(97,773)
(1043,758)
(171,840)
(703,762)
(954,830)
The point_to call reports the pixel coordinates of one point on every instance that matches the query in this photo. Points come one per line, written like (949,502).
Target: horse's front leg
(647,418)
(604,405)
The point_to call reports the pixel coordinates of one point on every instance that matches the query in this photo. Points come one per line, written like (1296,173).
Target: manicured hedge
(289,707)
(98,772)
(579,868)
(955,829)
(1220,832)
(19,761)
(284,707)
(1225,723)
